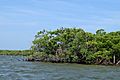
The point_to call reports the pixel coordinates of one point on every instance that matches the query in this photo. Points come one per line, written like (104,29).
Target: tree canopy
(76,46)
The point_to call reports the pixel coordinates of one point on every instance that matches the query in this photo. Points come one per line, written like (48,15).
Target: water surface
(12,68)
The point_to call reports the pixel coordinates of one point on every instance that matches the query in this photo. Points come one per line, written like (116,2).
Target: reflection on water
(12,68)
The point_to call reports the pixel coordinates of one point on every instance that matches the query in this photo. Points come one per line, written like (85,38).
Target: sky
(20,20)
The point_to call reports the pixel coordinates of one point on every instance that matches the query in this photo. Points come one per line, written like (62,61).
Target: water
(12,68)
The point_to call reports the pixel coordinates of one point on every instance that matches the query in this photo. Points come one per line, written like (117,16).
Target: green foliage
(16,52)
(76,45)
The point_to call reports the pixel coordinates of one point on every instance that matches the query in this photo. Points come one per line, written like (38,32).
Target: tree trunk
(114,59)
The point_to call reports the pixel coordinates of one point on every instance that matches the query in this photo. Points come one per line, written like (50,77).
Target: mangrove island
(74,45)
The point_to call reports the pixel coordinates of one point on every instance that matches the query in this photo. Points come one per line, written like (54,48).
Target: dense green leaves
(76,45)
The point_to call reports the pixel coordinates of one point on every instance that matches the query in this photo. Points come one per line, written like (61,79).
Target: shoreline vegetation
(16,52)
(73,45)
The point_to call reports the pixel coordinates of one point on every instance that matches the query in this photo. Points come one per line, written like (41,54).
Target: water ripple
(12,69)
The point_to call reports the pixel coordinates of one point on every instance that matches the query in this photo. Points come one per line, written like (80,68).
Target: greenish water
(12,68)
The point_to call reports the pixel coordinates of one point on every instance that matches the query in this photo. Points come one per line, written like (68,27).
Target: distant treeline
(16,52)
(73,45)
